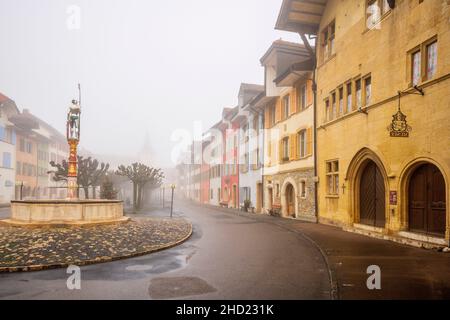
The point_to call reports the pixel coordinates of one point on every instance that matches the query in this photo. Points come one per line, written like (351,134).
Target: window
(368,90)
(29,147)
(375,10)
(341,101)
(257,159)
(2,133)
(349,97)
(332,172)
(386,7)
(431,60)
(285,149)
(303,189)
(18,168)
(327,110)
(6,160)
(332,36)
(286,107)
(358,93)
(333,105)
(302,143)
(327,44)
(372,13)
(416,68)
(301,94)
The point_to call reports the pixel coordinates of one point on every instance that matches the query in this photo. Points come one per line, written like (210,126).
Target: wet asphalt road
(228,257)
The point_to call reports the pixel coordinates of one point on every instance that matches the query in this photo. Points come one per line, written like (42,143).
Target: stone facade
(304,200)
(365,60)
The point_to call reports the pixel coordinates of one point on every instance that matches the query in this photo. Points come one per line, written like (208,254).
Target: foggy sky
(144,65)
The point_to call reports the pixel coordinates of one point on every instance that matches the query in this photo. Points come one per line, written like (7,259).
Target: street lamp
(171,203)
(73,138)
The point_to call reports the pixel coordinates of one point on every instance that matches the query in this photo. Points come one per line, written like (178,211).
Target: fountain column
(73,138)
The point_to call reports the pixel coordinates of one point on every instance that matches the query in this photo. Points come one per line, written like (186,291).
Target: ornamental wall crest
(399,127)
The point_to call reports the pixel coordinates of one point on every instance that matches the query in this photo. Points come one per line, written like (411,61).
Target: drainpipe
(312,54)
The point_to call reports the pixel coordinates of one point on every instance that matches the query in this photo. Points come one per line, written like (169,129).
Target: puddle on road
(173,262)
(170,288)
(139,268)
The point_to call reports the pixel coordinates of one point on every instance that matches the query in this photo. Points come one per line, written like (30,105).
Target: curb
(97,260)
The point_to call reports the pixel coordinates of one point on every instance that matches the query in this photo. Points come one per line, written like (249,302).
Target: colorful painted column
(73,138)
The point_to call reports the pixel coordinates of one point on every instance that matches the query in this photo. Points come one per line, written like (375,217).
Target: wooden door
(290,200)
(372,201)
(427,205)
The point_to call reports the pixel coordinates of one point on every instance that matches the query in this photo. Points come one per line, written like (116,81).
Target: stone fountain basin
(57,212)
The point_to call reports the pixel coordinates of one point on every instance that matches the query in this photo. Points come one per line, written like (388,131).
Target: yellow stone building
(383,113)
(288,174)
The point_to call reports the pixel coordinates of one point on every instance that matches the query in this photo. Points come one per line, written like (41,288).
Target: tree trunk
(139,196)
(86,192)
(94,192)
(135,195)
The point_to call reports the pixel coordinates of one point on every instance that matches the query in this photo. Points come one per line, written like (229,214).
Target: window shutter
(309,93)
(266,117)
(278,110)
(309,142)
(292,153)
(294,101)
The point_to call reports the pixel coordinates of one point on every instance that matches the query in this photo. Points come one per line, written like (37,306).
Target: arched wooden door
(427,205)
(372,197)
(290,200)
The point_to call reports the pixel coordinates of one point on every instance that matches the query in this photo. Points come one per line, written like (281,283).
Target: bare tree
(141,176)
(90,173)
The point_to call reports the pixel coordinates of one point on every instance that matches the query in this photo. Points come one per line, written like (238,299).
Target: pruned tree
(140,176)
(90,173)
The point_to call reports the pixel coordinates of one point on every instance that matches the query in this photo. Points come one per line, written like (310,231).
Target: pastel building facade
(289,176)
(250,147)
(7,150)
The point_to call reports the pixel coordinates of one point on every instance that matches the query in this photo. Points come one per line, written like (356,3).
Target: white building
(250,146)
(7,150)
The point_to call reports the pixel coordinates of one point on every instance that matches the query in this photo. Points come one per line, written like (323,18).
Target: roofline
(289,47)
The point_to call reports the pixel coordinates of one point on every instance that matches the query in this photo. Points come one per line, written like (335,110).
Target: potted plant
(247,205)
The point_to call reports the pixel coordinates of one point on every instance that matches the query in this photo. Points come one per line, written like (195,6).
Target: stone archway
(372,196)
(366,167)
(425,194)
(289,199)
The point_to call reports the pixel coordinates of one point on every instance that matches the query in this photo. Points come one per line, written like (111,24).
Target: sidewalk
(406,272)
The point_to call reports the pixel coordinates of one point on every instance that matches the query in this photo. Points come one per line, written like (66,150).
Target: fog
(146,68)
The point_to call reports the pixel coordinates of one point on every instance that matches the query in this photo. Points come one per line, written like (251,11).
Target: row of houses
(27,146)
(351,127)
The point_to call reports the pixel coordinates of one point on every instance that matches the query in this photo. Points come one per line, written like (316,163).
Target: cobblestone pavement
(23,249)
